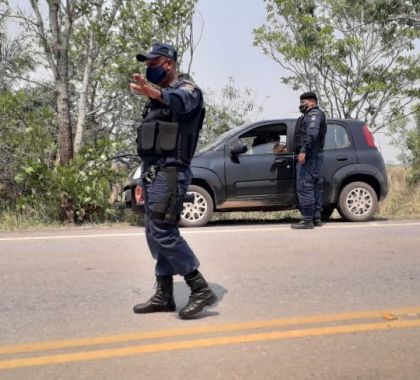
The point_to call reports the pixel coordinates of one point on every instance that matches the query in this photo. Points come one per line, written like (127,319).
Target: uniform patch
(312,124)
(187,87)
(313,118)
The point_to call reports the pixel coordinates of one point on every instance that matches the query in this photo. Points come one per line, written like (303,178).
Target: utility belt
(158,138)
(169,207)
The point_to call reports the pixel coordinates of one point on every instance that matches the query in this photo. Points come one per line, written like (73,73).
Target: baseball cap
(159,49)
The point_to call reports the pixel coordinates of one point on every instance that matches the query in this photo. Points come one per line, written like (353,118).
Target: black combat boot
(318,223)
(303,225)
(162,300)
(201,295)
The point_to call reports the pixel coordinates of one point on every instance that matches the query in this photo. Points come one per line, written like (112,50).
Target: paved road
(339,302)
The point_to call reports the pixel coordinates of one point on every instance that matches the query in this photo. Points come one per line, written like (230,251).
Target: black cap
(308,95)
(159,49)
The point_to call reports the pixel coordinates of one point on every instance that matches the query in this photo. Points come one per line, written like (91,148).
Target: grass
(13,221)
(403,201)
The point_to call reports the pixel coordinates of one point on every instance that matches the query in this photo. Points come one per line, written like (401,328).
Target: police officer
(166,141)
(309,143)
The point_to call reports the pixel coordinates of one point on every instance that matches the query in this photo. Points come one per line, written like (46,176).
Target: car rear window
(336,137)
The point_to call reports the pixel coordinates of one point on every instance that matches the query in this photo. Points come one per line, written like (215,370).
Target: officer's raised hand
(143,88)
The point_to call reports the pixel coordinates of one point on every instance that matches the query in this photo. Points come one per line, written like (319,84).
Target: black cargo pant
(309,184)
(169,249)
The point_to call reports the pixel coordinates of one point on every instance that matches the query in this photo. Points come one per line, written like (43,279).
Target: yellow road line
(200,343)
(91,341)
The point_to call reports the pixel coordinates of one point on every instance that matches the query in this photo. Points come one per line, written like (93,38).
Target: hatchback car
(252,168)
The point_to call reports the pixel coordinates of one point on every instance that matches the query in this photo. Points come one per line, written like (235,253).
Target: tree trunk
(83,100)
(65,141)
(91,56)
(56,49)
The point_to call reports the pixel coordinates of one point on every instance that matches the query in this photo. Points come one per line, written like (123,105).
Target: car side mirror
(238,148)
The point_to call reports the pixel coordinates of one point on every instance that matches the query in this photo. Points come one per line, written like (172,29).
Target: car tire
(326,212)
(199,212)
(357,202)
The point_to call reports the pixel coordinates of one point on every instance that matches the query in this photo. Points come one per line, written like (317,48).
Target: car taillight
(370,140)
(139,195)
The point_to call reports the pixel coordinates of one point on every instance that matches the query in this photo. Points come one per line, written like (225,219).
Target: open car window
(267,139)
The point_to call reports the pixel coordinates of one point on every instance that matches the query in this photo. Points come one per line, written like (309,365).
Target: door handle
(280,161)
(342,158)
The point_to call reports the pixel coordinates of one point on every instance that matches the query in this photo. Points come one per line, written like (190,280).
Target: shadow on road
(182,293)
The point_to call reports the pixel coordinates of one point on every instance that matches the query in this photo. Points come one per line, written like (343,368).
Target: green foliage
(26,126)
(406,136)
(357,55)
(78,192)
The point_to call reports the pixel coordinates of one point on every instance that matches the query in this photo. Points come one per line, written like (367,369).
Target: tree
(98,26)
(357,55)
(413,146)
(56,44)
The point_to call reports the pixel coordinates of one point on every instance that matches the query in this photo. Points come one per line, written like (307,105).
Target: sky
(226,50)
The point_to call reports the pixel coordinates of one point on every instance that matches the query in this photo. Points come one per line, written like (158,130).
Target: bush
(77,193)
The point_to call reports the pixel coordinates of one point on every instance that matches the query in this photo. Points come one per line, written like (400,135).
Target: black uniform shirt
(310,132)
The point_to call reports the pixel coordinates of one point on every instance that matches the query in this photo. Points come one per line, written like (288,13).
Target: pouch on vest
(167,137)
(146,134)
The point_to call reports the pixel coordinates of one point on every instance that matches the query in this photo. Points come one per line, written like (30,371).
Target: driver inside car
(269,143)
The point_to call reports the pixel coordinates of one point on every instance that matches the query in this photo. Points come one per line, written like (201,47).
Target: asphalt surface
(337,302)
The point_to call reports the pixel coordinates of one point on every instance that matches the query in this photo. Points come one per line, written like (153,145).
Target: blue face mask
(155,74)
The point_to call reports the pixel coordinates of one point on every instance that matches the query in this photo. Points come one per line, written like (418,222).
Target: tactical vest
(300,133)
(160,134)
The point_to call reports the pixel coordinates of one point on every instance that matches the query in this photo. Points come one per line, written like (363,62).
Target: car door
(265,172)
(339,151)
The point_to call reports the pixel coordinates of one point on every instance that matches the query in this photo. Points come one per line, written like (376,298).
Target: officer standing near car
(309,143)
(166,141)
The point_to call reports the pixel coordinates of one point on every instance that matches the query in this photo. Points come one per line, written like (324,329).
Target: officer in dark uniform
(309,143)
(166,140)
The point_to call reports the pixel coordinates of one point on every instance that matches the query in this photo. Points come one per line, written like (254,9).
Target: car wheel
(326,212)
(199,212)
(357,202)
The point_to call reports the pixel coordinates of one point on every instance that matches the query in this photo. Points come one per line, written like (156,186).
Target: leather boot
(201,296)
(162,300)
(303,225)
(318,223)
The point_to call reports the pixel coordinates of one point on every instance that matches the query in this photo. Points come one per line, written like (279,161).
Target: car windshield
(217,140)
